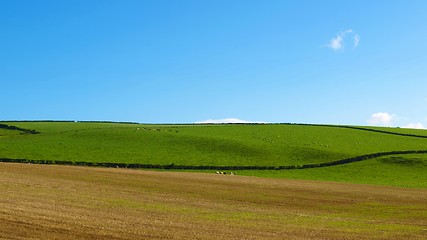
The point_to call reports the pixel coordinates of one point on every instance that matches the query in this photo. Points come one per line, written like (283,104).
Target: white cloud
(337,43)
(415,126)
(381,118)
(226,120)
(356,40)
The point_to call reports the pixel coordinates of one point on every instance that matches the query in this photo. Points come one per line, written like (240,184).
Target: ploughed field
(70,202)
(227,147)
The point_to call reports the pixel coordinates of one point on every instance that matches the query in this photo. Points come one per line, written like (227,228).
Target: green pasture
(400,171)
(6,132)
(226,145)
(419,132)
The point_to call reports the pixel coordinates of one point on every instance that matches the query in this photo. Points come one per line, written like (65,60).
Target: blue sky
(337,62)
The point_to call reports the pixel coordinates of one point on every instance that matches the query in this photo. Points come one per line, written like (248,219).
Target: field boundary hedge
(213,124)
(23,130)
(366,129)
(320,125)
(212,167)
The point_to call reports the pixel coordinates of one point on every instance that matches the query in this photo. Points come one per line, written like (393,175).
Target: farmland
(400,170)
(270,145)
(378,197)
(68,202)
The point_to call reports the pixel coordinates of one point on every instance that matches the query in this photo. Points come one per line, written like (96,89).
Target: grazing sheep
(217,172)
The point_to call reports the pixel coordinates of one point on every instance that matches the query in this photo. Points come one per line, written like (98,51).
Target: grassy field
(228,145)
(67,202)
(6,132)
(402,171)
(421,132)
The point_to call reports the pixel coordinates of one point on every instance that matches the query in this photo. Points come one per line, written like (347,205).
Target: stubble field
(66,202)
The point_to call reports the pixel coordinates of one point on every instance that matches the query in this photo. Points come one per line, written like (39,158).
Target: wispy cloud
(226,120)
(415,126)
(337,43)
(381,118)
(356,40)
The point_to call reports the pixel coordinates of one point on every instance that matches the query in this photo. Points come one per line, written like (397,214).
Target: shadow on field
(403,161)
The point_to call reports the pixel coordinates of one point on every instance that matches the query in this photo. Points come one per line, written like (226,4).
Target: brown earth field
(66,202)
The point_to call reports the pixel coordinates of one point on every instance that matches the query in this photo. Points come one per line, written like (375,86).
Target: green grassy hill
(227,145)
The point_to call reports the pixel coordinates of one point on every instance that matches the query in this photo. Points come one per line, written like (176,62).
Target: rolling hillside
(227,147)
(75,202)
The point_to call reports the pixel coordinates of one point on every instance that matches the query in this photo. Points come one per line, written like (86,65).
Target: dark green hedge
(23,130)
(357,128)
(188,167)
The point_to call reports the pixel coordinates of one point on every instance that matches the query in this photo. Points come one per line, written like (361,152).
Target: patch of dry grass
(63,202)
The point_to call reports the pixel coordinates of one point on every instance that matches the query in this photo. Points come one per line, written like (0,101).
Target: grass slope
(401,171)
(7,132)
(227,145)
(66,202)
